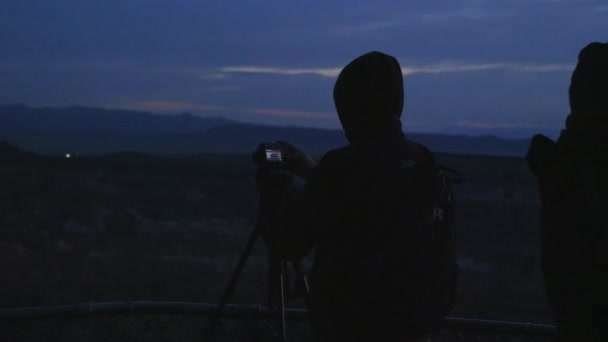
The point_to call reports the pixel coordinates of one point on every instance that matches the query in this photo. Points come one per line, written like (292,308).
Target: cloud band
(439,68)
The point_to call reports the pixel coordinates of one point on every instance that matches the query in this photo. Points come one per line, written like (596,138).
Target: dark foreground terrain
(138,227)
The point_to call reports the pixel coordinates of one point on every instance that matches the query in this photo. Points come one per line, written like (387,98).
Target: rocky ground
(132,227)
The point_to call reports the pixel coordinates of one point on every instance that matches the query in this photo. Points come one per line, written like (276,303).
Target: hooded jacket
(588,92)
(362,203)
(574,201)
(368,96)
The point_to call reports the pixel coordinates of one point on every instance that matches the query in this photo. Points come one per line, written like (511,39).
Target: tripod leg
(301,283)
(306,290)
(210,329)
(273,273)
(276,291)
(302,286)
(281,313)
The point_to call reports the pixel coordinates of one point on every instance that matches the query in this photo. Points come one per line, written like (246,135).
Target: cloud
(201,73)
(291,113)
(325,72)
(438,68)
(210,76)
(222,73)
(181,106)
(171,106)
(513,67)
(486,125)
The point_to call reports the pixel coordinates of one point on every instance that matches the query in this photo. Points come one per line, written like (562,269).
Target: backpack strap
(595,209)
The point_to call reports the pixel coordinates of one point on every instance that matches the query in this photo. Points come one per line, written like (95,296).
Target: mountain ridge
(93,130)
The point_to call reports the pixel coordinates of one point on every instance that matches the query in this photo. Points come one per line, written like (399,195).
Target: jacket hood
(589,84)
(368,95)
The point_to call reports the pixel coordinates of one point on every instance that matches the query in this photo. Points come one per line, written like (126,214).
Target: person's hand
(297,161)
(542,158)
(294,159)
(541,152)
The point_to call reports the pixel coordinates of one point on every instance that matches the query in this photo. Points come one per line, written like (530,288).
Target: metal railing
(240,311)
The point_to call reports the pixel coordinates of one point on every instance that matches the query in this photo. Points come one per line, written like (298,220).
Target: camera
(273,155)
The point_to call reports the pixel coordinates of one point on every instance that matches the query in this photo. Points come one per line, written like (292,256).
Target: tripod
(278,277)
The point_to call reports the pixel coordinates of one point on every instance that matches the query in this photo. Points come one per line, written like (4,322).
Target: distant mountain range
(88,130)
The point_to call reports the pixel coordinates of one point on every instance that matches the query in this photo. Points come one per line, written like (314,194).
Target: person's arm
(292,214)
(294,160)
(565,247)
(297,228)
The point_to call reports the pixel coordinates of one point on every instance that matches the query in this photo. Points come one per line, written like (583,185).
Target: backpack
(584,165)
(407,267)
(574,230)
(593,191)
(435,293)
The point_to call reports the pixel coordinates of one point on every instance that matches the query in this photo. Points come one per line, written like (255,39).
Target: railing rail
(238,311)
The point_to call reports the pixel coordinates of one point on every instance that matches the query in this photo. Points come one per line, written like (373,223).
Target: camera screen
(273,155)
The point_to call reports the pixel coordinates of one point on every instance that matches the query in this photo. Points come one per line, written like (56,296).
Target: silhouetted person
(572,177)
(377,212)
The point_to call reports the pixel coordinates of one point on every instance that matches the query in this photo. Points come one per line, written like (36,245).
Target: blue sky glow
(470,66)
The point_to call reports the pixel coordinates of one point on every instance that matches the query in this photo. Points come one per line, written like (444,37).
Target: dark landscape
(88,130)
(128,193)
(140,226)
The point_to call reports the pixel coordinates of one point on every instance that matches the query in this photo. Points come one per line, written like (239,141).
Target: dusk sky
(470,66)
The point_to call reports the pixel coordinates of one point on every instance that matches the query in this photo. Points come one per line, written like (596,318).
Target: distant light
(67,155)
